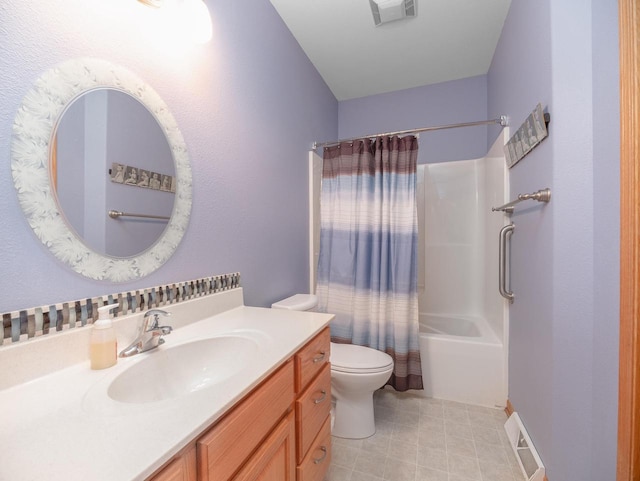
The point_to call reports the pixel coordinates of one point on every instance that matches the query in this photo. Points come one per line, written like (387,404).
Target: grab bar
(502,270)
(116,214)
(543,195)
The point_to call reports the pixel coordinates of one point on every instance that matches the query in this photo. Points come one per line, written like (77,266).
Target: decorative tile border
(38,321)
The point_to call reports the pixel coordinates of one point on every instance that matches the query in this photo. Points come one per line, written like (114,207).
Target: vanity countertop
(64,426)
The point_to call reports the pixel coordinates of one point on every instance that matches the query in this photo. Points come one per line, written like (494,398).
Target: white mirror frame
(34,124)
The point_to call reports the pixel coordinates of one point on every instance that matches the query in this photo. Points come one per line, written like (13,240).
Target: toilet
(356,372)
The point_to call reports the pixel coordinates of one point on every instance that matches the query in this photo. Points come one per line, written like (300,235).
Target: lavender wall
(515,92)
(249,105)
(440,104)
(563,324)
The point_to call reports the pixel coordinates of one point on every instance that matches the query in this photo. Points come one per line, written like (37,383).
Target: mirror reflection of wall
(100,128)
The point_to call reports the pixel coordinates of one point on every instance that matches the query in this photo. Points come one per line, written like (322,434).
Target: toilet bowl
(356,372)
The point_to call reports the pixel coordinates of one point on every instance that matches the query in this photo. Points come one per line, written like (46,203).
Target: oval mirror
(91,139)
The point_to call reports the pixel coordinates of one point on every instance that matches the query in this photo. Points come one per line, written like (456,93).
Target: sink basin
(170,372)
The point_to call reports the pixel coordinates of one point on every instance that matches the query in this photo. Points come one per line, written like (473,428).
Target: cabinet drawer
(316,462)
(229,443)
(312,408)
(312,358)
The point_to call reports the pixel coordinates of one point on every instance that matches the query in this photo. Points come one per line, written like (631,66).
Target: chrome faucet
(150,335)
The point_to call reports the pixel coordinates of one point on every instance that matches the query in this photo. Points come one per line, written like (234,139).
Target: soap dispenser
(103,347)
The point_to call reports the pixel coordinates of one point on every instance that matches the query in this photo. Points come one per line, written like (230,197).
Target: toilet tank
(297,302)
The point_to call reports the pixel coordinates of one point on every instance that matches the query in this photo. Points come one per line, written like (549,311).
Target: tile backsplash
(38,321)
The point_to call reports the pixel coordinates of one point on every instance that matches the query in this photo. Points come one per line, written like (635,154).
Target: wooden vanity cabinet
(313,408)
(279,432)
(181,468)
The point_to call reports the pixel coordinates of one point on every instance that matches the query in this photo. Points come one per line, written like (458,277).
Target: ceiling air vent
(385,11)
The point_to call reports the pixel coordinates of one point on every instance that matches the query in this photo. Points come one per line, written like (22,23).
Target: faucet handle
(156,313)
(165,330)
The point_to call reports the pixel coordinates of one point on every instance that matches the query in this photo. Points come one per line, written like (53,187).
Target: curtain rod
(503,121)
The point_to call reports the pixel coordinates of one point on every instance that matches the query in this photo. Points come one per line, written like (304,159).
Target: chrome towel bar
(116,214)
(505,263)
(543,195)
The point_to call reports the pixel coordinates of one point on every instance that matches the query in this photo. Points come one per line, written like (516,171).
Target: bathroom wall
(564,322)
(446,103)
(249,105)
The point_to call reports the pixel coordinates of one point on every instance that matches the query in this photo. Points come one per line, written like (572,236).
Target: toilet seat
(351,358)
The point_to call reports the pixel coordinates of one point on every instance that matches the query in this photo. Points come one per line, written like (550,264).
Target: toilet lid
(359,359)
(297,302)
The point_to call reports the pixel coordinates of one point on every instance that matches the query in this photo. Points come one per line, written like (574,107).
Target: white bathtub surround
(114,440)
(464,321)
(450,326)
(463,362)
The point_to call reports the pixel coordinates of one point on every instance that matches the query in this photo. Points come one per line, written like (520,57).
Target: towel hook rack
(543,195)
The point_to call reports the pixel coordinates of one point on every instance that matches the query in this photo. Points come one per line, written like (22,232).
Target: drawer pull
(320,357)
(321,458)
(321,398)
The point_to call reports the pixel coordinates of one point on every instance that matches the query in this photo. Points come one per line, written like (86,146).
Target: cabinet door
(274,460)
(182,468)
(224,449)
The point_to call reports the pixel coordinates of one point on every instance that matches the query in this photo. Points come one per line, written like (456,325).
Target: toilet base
(354,417)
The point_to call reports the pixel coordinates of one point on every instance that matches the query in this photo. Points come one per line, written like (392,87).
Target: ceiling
(447,40)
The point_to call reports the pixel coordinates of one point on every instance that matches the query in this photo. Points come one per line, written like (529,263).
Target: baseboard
(509,410)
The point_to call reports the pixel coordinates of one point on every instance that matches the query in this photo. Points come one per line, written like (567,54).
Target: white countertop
(63,426)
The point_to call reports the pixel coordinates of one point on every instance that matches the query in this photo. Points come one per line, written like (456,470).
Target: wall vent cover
(385,11)
(528,458)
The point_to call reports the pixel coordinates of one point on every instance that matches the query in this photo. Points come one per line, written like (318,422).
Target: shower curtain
(367,270)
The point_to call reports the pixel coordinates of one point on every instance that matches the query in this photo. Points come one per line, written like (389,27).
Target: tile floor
(424,439)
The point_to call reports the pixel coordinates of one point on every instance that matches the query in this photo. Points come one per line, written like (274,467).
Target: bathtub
(462,360)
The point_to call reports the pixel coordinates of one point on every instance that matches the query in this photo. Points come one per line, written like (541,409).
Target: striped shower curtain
(367,270)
